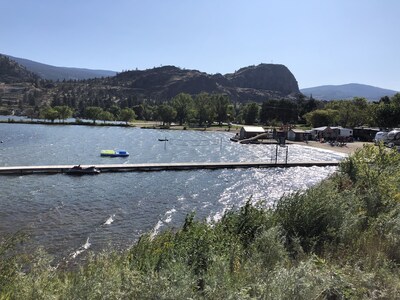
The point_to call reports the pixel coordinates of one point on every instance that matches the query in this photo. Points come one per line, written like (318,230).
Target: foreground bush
(337,240)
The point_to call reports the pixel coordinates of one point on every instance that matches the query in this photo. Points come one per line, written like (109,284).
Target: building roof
(253,129)
(326,127)
(298,130)
(320,128)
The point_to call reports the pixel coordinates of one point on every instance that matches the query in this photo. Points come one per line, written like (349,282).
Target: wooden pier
(53,169)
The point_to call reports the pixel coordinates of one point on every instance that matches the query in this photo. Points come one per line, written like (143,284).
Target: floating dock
(53,169)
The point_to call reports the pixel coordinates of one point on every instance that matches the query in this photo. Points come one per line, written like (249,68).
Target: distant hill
(13,72)
(347,91)
(60,73)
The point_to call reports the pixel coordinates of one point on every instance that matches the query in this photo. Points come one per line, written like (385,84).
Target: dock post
(287,151)
(272,154)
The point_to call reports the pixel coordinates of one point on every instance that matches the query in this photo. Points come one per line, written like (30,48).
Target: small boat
(163,140)
(114,153)
(78,170)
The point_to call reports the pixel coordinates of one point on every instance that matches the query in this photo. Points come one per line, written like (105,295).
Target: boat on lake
(114,153)
(78,170)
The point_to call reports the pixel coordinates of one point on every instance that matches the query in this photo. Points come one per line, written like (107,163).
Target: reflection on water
(68,215)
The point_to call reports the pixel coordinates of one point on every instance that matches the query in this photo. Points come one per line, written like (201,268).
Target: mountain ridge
(55,73)
(347,91)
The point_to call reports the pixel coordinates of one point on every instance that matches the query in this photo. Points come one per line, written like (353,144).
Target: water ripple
(114,209)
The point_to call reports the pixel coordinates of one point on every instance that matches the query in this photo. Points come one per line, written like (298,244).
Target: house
(298,135)
(331,133)
(250,131)
(325,132)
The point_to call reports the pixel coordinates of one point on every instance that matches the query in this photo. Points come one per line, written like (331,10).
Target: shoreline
(348,149)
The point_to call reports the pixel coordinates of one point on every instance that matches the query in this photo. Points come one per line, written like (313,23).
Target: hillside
(12,72)
(347,91)
(16,84)
(253,83)
(60,73)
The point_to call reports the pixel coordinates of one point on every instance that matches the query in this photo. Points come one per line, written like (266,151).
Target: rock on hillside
(265,77)
(256,83)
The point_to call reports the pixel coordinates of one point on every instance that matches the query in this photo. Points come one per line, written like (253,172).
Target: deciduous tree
(204,109)
(106,116)
(166,113)
(127,115)
(321,117)
(93,113)
(64,112)
(49,113)
(251,113)
(221,103)
(183,104)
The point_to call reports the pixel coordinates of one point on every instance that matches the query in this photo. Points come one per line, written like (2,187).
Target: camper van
(380,136)
(393,138)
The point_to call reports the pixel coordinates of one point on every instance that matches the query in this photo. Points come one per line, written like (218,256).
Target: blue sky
(321,41)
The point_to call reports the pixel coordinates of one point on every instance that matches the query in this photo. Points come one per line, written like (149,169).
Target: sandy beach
(349,148)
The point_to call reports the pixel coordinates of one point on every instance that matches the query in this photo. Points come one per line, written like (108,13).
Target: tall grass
(337,240)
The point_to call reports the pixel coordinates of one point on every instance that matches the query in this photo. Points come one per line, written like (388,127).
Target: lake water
(68,215)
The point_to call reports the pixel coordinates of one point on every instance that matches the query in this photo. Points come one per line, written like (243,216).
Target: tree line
(384,113)
(206,109)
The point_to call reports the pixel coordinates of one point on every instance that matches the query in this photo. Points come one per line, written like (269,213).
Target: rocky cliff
(255,83)
(265,77)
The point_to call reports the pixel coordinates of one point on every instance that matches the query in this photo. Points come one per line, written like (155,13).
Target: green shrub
(315,217)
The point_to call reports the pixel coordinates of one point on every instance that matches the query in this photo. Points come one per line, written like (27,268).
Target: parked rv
(393,138)
(380,136)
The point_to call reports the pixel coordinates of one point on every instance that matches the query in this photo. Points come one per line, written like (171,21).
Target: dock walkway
(52,169)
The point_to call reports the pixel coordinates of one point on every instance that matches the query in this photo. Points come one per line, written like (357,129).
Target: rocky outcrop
(265,77)
(255,83)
